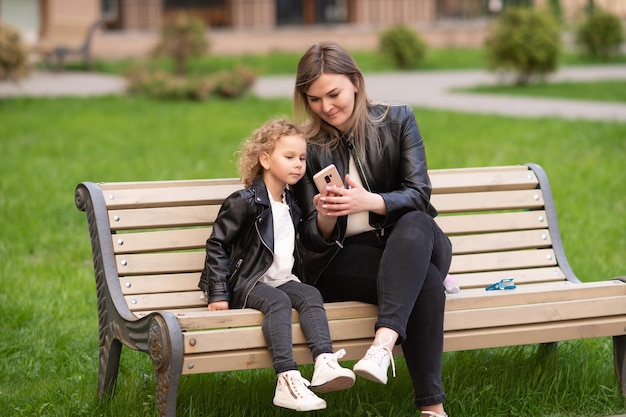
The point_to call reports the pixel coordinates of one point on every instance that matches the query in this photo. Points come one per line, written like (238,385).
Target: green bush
(159,84)
(525,42)
(13,54)
(182,37)
(600,35)
(403,46)
(232,84)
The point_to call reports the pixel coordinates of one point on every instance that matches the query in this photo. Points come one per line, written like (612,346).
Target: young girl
(250,262)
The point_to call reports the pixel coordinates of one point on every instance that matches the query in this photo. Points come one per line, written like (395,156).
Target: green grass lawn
(605,90)
(48,319)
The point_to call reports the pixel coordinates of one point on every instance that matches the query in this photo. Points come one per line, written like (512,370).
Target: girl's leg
(308,301)
(328,375)
(276,308)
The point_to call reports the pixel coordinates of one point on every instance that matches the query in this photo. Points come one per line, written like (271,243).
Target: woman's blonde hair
(262,140)
(330,58)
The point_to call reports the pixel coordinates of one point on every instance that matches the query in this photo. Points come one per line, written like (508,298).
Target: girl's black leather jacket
(398,173)
(241,247)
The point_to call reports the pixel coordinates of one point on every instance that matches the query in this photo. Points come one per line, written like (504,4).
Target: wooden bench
(148,243)
(66,38)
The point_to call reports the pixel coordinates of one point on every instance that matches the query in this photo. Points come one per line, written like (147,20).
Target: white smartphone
(327,176)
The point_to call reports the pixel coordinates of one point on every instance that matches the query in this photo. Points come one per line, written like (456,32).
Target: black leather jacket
(398,173)
(241,247)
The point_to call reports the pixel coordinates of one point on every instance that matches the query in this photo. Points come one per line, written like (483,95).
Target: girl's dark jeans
(275,304)
(403,274)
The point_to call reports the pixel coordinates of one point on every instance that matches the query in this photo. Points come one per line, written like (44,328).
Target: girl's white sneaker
(292,392)
(329,375)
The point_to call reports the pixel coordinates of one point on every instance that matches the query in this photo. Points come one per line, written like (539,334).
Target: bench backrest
(76,34)
(500,220)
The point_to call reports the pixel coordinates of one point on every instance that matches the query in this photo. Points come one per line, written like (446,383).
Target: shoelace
(377,354)
(340,353)
(331,359)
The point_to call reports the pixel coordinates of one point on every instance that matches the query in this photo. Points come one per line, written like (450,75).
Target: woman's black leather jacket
(241,247)
(398,173)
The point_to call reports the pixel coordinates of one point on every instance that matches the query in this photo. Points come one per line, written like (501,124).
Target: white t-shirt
(284,245)
(357,222)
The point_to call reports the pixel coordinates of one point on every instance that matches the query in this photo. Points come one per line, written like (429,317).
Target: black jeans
(403,274)
(275,304)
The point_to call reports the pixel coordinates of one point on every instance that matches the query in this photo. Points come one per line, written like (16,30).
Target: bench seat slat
(199,318)
(473,170)
(169,196)
(162,217)
(155,241)
(488,201)
(464,182)
(252,337)
(521,276)
(166,301)
(502,260)
(492,242)
(160,263)
(259,358)
(534,333)
(533,313)
(147,284)
(533,293)
(492,222)
(134,185)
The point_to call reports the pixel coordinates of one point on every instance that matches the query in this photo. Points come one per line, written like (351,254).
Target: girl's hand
(218,305)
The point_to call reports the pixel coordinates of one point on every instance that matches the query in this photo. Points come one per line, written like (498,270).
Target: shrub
(182,37)
(235,83)
(524,41)
(600,35)
(13,54)
(403,46)
(159,84)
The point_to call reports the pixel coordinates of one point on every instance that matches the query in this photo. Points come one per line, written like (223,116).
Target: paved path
(421,88)
(67,83)
(433,89)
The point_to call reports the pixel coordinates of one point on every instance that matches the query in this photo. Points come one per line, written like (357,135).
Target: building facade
(239,26)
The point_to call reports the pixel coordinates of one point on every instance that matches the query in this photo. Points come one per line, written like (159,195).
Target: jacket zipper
(245,300)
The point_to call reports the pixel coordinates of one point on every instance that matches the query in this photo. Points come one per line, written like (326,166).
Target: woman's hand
(218,305)
(335,201)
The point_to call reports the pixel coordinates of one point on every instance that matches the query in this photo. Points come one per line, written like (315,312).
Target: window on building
(297,12)
(212,12)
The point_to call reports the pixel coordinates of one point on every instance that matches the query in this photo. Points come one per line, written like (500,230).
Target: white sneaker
(375,363)
(433,414)
(292,392)
(329,375)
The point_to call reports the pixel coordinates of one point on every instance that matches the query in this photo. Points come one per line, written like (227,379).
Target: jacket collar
(261,196)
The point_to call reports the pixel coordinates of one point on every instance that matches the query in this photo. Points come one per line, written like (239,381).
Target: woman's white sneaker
(292,392)
(329,376)
(375,364)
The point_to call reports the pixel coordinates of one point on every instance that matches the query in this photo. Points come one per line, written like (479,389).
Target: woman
(375,240)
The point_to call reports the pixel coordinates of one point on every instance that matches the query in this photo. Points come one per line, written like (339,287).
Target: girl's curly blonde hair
(262,140)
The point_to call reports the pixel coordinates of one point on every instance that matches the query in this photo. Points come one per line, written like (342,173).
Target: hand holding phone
(327,176)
